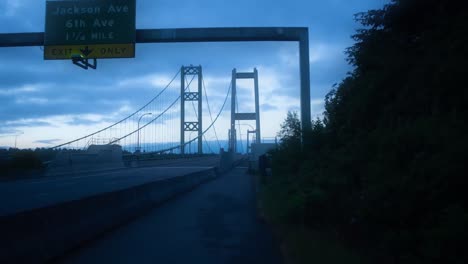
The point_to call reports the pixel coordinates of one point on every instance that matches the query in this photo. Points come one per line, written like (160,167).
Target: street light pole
(17,135)
(254,131)
(138,135)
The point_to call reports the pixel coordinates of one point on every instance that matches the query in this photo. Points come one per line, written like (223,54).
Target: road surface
(23,195)
(215,223)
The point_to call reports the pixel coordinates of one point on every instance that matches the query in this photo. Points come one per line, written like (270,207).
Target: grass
(301,244)
(305,245)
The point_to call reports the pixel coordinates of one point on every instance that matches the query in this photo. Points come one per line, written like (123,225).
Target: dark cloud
(72,91)
(84,121)
(48,141)
(65,89)
(8,131)
(31,123)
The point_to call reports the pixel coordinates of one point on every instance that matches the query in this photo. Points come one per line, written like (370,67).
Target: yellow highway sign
(61,52)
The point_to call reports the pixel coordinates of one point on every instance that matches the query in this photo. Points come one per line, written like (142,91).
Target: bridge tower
(243,116)
(190,96)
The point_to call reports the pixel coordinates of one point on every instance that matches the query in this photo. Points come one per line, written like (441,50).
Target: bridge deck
(215,223)
(30,194)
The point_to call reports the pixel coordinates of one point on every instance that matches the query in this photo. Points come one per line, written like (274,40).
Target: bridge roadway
(215,223)
(23,195)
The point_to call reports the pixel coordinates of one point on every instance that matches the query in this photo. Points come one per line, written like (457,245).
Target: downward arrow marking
(86,51)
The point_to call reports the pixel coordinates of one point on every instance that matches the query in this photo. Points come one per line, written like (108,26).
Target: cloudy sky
(48,102)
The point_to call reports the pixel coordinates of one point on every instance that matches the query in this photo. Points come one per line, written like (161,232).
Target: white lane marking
(116,173)
(193,167)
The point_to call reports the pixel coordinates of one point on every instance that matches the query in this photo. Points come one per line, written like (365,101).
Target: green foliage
(290,137)
(25,160)
(290,133)
(16,163)
(387,163)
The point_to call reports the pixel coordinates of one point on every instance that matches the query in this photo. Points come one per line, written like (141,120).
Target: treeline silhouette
(386,167)
(17,163)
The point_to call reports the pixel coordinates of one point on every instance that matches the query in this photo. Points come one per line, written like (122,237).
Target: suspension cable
(209,111)
(239,127)
(196,115)
(162,113)
(121,121)
(209,127)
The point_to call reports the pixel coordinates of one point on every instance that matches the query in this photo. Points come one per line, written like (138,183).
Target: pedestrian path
(215,223)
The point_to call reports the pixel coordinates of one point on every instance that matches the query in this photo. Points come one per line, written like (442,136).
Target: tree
(291,132)
(388,163)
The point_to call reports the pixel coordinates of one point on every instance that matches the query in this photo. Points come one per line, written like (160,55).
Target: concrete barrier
(96,157)
(40,235)
(229,160)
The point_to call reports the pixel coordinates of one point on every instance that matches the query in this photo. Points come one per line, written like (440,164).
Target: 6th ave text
(97,23)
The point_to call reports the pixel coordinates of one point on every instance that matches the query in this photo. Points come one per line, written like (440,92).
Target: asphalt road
(215,223)
(23,195)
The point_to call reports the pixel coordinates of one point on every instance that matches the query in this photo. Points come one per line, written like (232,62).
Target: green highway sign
(81,23)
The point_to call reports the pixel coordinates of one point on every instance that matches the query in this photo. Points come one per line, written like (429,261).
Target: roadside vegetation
(19,163)
(382,180)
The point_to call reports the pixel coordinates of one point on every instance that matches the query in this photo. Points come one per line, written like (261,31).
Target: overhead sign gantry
(82,30)
(294,34)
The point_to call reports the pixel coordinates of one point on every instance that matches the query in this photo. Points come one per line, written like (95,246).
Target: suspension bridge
(62,213)
(162,124)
